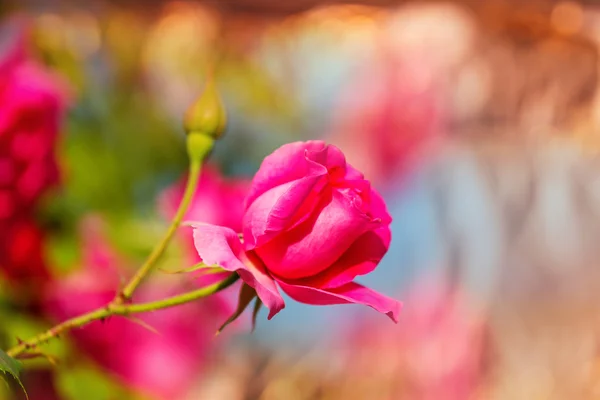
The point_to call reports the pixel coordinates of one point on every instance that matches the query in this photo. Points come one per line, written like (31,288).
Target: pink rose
(312,223)
(32,102)
(164,364)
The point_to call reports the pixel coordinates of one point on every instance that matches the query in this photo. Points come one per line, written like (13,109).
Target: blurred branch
(26,347)
(157,252)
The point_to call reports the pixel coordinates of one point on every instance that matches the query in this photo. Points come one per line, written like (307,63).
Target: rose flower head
(311,224)
(32,104)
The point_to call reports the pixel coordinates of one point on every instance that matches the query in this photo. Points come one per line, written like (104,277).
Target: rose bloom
(164,365)
(31,107)
(312,223)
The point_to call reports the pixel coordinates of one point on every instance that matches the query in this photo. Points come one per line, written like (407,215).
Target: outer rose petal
(350,293)
(221,246)
(286,164)
(360,259)
(379,209)
(315,245)
(352,174)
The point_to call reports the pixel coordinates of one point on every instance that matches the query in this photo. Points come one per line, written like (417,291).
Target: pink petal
(353,174)
(284,190)
(350,293)
(360,259)
(379,209)
(330,157)
(284,165)
(320,241)
(221,246)
(275,210)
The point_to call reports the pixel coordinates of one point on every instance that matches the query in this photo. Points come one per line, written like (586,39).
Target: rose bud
(207,114)
(312,223)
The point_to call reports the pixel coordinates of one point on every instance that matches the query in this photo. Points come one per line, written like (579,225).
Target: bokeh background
(478,121)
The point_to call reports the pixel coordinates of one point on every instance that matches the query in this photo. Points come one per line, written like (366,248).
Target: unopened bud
(207,114)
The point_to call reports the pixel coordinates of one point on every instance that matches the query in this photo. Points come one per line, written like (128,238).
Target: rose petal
(320,241)
(217,245)
(379,209)
(347,294)
(329,157)
(286,164)
(360,259)
(283,190)
(275,210)
(353,174)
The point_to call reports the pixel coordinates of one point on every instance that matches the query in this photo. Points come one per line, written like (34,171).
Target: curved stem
(175,300)
(120,309)
(57,330)
(157,252)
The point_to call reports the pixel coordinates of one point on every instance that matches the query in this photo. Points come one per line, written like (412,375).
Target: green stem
(157,252)
(120,309)
(175,300)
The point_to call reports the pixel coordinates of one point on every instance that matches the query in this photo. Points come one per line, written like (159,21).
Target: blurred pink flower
(312,223)
(218,201)
(435,351)
(163,364)
(22,252)
(32,102)
(389,115)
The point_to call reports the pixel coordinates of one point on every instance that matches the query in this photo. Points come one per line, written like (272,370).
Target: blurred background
(478,121)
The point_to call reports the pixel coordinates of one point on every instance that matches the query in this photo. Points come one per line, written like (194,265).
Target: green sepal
(257,306)
(247,293)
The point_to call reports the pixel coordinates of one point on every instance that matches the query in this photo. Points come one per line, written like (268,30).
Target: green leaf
(10,366)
